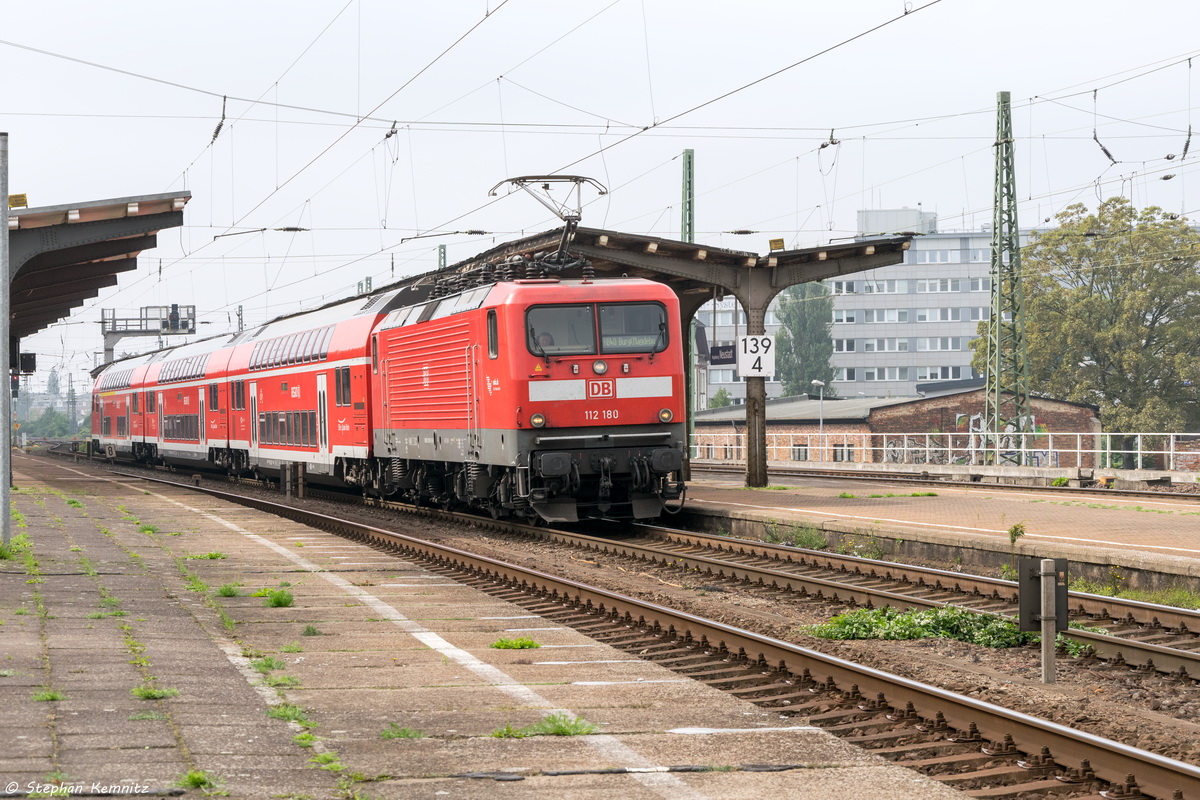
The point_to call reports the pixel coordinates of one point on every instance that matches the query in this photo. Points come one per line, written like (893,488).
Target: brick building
(946,429)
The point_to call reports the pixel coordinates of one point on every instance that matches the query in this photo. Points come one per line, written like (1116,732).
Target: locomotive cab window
(561,330)
(633,328)
(493,335)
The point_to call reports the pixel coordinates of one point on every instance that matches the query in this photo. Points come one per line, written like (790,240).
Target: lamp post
(820,415)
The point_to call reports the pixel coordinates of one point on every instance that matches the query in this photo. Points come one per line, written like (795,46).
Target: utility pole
(687,233)
(72,408)
(1006,395)
(6,420)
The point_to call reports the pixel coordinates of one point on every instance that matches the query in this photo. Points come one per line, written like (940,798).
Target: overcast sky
(799,113)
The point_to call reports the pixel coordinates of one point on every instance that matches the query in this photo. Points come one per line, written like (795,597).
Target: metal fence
(1163,451)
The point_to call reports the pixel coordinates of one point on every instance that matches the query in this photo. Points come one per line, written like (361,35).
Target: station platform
(1148,540)
(125,666)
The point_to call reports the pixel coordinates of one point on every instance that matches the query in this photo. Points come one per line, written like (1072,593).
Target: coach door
(200,418)
(322,413)
(254,420)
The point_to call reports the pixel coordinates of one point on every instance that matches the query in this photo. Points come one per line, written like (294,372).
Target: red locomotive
(542,397)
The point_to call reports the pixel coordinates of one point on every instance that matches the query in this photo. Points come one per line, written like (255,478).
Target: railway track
(968,743)
(1144,637)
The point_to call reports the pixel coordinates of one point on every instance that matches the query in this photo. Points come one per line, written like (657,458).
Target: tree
(1113,315)
(803,345)
(53,424)
(52,388)
(720,399)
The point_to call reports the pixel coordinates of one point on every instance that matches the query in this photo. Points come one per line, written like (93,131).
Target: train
(541,398)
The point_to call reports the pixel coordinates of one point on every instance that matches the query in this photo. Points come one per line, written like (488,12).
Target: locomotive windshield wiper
(533,339)
(662,339)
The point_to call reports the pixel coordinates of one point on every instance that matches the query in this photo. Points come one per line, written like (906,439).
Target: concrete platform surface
(134,651)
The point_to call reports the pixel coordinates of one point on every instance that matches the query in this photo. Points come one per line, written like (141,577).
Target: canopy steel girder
(693,271)
(61,256)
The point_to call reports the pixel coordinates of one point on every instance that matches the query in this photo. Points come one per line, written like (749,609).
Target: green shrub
(229,590)
(311,630)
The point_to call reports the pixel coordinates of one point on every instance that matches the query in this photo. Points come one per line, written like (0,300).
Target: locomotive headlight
(599,367)
(538,420)
(665,415)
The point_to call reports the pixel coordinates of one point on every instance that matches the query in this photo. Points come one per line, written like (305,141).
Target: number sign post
(756,356)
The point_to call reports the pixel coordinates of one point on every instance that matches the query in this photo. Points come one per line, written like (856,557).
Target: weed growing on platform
(279,598)
(229,590)
(48,695)
(520,643)
(553,725)
(73,503)
(149,692)
(846,496)
(562,725)
(282,681)
(311,630)
(7,673)
(147,716)
(267,664)
(327,761)
(291,713)
(509,732)
(214,556)
(305,739)
(292,647)
(197,779)
(394,731)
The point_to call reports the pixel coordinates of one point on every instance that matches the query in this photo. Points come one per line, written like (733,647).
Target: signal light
(666,415)
(538,420)
(599,367)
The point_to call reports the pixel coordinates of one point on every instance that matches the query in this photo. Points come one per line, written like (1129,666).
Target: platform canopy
(698,273)
(62,256)
(694,270)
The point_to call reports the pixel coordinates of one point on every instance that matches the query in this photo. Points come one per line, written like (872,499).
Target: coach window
(561,330)
(213,398)
(493,334)
(342,386)
(133,403)
(633,328)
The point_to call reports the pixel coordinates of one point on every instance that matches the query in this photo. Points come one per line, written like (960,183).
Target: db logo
(602,389)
